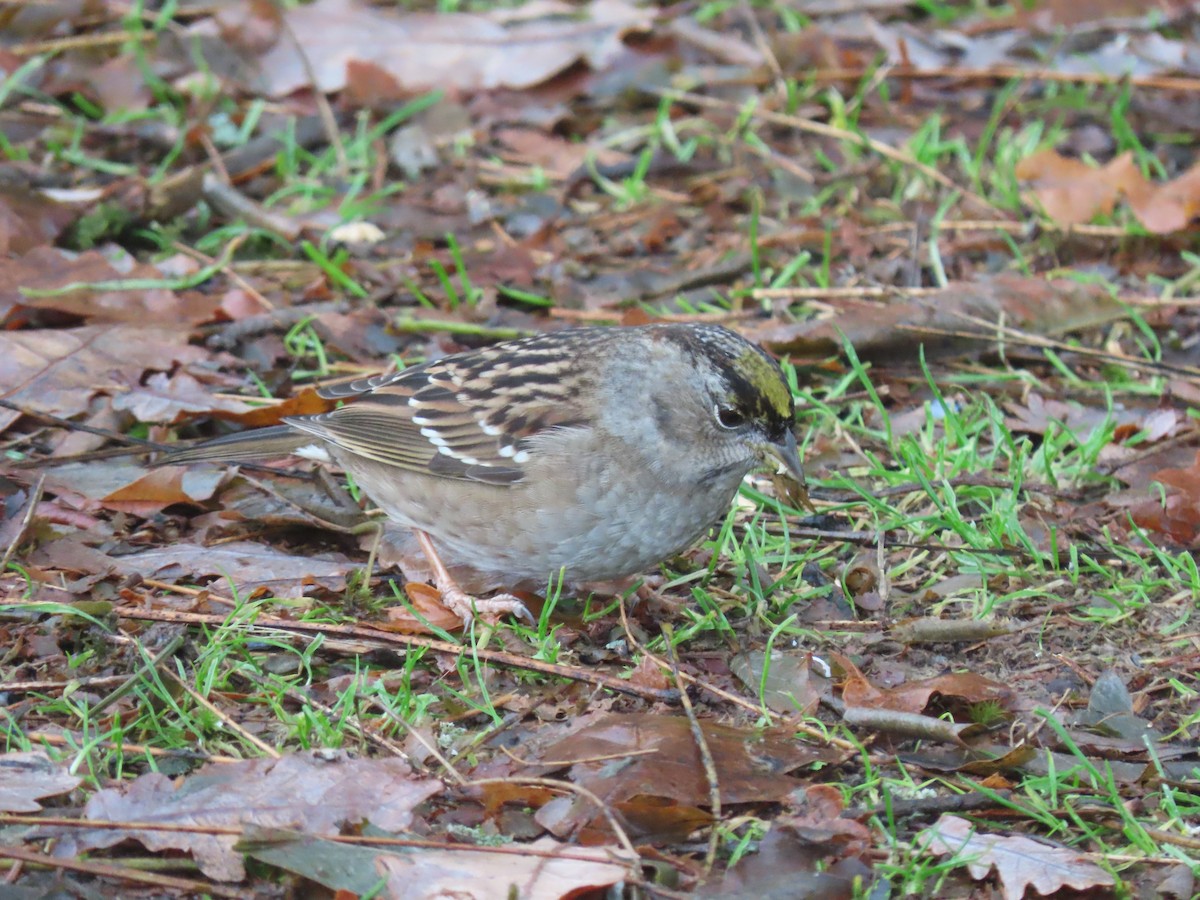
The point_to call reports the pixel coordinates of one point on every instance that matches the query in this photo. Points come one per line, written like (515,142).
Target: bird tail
(257,443)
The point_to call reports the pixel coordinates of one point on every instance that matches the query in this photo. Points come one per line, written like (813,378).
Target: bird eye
(729,417)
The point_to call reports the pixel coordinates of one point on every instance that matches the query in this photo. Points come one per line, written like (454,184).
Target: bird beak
(787,458)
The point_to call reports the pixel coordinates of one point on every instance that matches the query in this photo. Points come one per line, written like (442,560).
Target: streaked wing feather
(360,386)
(467,417)
(372,432)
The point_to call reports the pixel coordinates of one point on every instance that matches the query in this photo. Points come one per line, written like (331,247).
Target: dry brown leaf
(1020,862)
(1178,514)
(50,269)
(659,759)
(57,371)
(427,607)
(480,876)
(1073,193)
(309,793)
(128,486)
(1171,206)
(914,696)
(28,776)
(447,51)
(30,219)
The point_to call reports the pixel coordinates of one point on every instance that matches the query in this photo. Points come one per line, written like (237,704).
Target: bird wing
(471,416)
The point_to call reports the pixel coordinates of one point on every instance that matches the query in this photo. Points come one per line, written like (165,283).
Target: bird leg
(459,601)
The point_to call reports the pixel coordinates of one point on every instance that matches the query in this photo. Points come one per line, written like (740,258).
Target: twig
(755,708)
(31,505)
(552,784)
(148,664)
(844,292)
(764,48)
(89,41)
(706,757)
(228,271)
(992,73)
(58,740)
(324,110)
(994,328)
(228,336)
(79,426)
(224,719)
(233,204)
(75,683)
(566,763)
(389,639)
(105,870)
(236,831)
(830,131)
(433,749)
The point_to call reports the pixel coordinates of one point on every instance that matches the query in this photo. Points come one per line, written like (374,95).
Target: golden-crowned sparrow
(598,451)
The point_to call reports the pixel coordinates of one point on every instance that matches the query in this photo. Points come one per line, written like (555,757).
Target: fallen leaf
(313,793)
(890,330)
(1070,191)
(538,876)
(171,398)
(28,776)
(129,486)
(30,219)
(48,269)
(446,51)
(57,371)
(659,759)
(245,567)
(1020,862)
(1177,515)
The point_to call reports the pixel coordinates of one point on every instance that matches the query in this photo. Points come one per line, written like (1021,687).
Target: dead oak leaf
(451,51)
(648,767)
(537,876)
(1176,515)
(314,794)
(1070,191)
(1020,862)
(28,776)
(58,371)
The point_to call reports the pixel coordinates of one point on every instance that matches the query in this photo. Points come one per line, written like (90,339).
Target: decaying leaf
(313,794)
(1020,862)
(26,777)
(661,760)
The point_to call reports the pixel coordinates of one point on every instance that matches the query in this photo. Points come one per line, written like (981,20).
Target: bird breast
(579,511)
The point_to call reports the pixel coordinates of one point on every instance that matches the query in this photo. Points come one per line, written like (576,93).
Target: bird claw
(467,607)
(459,601)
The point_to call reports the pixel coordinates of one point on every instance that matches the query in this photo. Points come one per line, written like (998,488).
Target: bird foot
(467,607)
(459,601)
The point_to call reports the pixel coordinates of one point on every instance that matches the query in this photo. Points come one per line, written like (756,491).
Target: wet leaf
(1177,515)
(622,757)
(447,51)
(58,371)
(1020,862)
(29,776)
(310,793)
(30,219)
(243,567)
